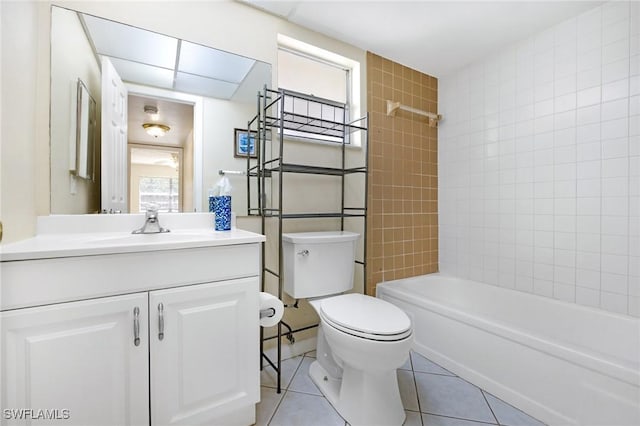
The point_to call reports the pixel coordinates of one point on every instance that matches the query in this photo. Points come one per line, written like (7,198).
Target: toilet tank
(318,263)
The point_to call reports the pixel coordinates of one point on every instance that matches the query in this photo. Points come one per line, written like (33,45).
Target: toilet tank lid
(320,237)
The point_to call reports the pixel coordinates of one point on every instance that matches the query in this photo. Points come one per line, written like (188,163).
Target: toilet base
(362,398)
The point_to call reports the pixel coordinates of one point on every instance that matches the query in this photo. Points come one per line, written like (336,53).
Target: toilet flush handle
(303,253)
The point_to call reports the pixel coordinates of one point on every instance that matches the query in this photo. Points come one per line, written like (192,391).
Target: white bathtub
(560,362)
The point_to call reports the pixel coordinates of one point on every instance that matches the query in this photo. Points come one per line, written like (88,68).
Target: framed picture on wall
(244,143)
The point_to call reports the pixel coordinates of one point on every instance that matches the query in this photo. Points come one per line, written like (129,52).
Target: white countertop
(88,241)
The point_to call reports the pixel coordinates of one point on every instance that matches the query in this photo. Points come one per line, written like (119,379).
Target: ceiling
(434,37)
(176,115)
(155,157)
(153,59)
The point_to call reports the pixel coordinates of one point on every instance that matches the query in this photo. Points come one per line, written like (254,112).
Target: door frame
(142,145)
(198,121)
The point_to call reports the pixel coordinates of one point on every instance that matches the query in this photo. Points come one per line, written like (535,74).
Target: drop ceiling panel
(212,63)
(253,82)
(135,72)
(148,58)
(190,83)
(124,41)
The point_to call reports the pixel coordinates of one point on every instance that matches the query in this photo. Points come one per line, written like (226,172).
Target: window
(319,85)
(155,178)
(312,118)
(160,192)
(304,73)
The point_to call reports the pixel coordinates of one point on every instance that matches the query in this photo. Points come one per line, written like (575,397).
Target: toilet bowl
(356,361)
(361,340)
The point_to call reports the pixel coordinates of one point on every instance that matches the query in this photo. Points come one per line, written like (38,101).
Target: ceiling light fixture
(155,129)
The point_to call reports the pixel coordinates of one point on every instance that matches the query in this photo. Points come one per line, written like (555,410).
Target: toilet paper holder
(271,309)
(267,313)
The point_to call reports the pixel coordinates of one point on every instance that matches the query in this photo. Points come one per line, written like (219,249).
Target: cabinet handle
(136,326)
(160,321)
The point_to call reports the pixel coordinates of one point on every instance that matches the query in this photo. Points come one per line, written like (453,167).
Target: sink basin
(159,238)
(89,235)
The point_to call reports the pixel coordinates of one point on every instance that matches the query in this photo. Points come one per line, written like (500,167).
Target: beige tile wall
(403,178)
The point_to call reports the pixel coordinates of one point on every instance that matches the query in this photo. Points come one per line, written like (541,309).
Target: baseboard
(300,347)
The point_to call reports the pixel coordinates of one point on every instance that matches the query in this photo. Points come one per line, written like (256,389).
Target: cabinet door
(205,364)
(78,358)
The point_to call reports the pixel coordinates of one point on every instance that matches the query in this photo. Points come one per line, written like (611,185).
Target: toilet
(362,340)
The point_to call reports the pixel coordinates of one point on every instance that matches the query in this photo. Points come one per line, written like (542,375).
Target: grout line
(629,203)
(600,160)
(554,97)
(284,393)
(293,376)
(282,386)
(489,405)
(575,188)
(306,393)
(484,392)
(437,374)
(462,418)
(415,385)
(285,390)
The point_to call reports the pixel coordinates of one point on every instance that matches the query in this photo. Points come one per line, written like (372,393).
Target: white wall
(25,29)
(539,163)
(75,59)
(18,127)
(221,117)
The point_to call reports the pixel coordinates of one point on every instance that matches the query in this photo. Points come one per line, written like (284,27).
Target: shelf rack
(284,114)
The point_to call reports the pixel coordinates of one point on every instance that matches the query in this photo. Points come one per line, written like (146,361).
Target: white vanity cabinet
(204,352)
(81,357)
(165,337)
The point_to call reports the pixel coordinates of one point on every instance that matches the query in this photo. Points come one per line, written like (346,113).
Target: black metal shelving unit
(281,115)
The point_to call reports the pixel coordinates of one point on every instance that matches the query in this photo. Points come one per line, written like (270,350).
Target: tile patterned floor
(432,396)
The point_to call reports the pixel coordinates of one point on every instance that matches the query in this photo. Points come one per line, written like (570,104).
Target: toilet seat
(365,317)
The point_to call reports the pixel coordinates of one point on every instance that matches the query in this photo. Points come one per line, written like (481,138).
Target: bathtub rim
(585,357)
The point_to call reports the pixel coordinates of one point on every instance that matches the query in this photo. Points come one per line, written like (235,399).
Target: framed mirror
(85,133)
(220,88)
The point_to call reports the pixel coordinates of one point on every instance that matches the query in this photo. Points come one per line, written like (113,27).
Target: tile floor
(432,396)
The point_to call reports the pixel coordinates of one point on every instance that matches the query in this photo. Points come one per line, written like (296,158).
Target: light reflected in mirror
(156,178)
(216,88)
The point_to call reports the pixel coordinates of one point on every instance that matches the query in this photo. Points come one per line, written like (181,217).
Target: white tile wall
(539,163)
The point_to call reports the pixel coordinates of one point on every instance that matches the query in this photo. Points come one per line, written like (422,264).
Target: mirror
(162,75)
(85,133)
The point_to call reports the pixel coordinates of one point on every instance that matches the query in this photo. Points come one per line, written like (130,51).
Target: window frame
(314,137)
(173,182)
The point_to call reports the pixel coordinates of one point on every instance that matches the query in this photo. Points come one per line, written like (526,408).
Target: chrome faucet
(151,223)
